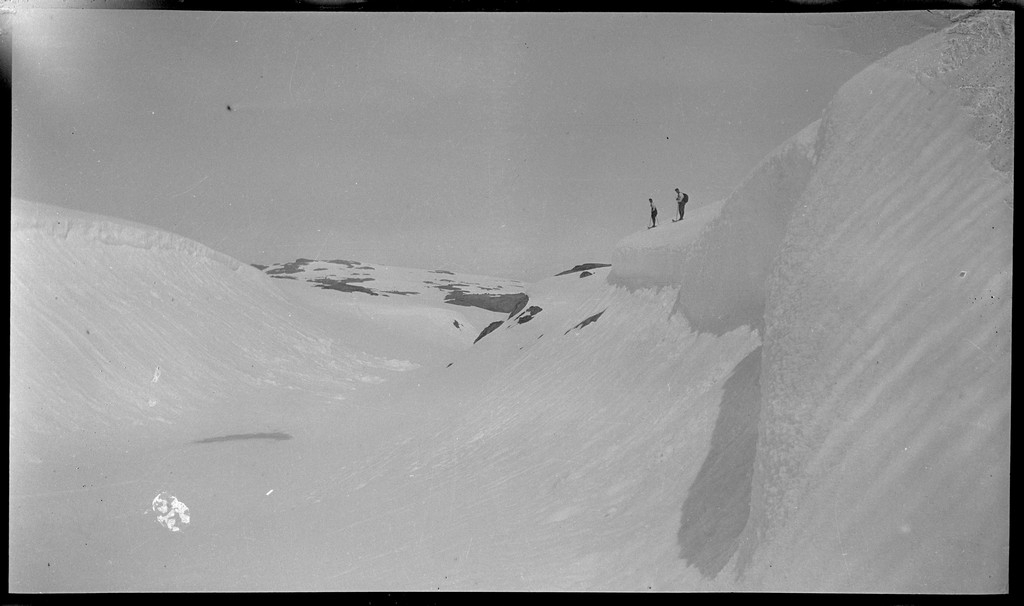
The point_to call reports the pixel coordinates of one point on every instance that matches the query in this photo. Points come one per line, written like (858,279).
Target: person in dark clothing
(681,199)
(654,213)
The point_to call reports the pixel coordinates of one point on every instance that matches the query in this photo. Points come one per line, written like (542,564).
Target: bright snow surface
(803,387)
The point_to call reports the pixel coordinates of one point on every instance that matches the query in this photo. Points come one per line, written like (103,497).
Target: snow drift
(121,332)
(721,253)
(874,252)
(883,450)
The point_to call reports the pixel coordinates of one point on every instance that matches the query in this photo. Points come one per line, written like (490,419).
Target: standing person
(681,200)
(654,213)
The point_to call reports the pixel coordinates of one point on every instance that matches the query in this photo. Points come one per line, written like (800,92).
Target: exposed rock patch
(346,285)
(508,303)
(528,315)
(583,267)
(292,267)
(587,321)
(490,328)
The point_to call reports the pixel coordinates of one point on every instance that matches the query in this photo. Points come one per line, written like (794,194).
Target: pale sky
(513,145)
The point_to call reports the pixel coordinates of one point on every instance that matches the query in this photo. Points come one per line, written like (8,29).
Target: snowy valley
(802,387)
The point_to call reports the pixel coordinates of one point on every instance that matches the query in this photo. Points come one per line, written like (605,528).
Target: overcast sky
(514,145)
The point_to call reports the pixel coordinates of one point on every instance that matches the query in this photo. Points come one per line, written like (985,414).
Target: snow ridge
(67,224)
(721,253)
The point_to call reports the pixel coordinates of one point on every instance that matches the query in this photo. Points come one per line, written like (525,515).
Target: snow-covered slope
(802,387)
(119,328)
(126,339)
(883,454)
(869,441)
(877,257)
(574,456)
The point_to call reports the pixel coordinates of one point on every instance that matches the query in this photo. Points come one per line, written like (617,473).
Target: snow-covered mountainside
(805,386)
